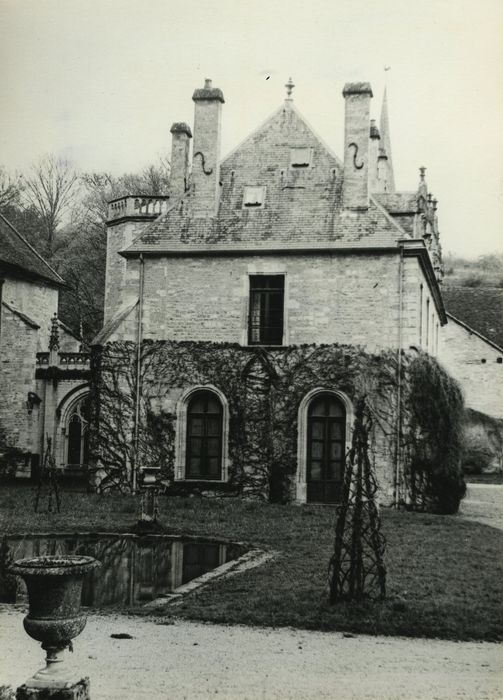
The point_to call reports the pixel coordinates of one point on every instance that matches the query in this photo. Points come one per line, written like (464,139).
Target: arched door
(204,437)
(78,436)
(326,441)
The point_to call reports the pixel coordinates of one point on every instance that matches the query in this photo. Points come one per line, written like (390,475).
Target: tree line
(62,213)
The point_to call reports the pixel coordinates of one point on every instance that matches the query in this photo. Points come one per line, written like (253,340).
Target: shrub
(434,441)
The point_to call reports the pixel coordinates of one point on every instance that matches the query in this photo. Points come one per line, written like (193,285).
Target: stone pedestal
(78,691)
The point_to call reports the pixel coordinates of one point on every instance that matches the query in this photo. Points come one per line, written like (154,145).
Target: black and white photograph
(251,350)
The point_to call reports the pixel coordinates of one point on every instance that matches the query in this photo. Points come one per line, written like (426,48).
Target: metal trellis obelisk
(357,567)
(48,481)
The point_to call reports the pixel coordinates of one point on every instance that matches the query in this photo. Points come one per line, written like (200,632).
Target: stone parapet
(133,206)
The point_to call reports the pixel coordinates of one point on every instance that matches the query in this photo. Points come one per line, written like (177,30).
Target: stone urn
(55,617)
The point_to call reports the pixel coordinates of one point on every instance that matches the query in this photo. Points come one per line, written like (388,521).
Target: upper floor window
(265,325)
(253,197)
(300,157)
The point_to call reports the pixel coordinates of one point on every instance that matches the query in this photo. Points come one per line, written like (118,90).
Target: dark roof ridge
(29,322)
(53,276)
(477,333)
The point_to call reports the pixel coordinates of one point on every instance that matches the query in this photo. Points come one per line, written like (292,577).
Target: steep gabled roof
(480,308)
(398,202)
(472,331)
(302,206)
(18,255)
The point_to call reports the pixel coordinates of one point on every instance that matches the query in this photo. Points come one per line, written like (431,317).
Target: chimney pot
(180,145)
(357,89)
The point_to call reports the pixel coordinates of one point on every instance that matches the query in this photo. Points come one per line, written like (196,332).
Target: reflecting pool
(135,569)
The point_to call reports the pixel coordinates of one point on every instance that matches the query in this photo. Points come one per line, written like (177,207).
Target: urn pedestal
(55,617)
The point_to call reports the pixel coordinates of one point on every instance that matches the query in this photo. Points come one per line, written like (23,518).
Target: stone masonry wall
(119,236)
(420,323)
(17,361)
(346,298)
(477,365)
(264,391)
(37,300)
(350,298)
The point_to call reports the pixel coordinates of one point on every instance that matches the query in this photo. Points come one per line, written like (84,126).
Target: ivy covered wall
(263,388)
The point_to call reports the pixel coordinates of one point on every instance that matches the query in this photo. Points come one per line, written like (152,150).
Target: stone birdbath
(55,617)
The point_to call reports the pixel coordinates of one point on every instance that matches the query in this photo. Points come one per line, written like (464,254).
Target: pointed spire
(386,142)
(422,188)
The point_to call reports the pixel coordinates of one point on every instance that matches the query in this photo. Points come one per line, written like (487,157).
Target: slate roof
(481,308)
(398,202)
(302,207)
(17,254)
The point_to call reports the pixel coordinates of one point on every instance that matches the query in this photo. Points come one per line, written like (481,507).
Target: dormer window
(254,197)
(300,157)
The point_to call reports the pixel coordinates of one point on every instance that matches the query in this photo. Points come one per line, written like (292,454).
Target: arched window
(77,434)
(326,441)
(203,455)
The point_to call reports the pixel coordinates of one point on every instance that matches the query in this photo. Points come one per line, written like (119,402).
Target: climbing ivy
(433,437)
(263,387)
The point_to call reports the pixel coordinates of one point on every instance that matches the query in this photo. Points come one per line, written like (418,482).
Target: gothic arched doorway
(77,435)
(326,440)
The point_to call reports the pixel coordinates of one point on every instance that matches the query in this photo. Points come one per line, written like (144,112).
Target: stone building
(472,351)
(44,375)
(245,313)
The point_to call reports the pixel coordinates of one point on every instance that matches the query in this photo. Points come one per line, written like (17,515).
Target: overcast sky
(100,82)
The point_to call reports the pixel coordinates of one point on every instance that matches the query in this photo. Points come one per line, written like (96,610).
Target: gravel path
(196,661)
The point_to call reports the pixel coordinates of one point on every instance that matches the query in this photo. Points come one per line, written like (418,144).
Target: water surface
(134,569)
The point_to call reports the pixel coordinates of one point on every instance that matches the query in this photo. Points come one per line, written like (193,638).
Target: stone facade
(358,266)
(477,364)
(333,298)
(37,384)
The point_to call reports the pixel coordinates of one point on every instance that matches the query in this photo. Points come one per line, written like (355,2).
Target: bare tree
(10,189)
(50,188)
(100,188)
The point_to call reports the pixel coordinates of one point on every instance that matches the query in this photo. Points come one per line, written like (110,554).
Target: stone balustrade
(65,359)
(74,358)
(137,206)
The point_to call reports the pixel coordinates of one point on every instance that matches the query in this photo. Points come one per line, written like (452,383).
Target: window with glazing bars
(204,437)
(265,325)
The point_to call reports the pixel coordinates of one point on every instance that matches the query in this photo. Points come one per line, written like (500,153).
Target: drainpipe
(139,339)
(399,380)
(1,288)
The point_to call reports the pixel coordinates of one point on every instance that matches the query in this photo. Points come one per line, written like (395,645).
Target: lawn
(444,574)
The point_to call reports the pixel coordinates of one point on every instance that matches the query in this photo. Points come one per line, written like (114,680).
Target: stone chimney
(206,151)
(180,144)
(355,188)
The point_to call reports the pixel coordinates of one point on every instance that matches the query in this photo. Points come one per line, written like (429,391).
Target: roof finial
(54,334)
(422,171)
(289,88)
